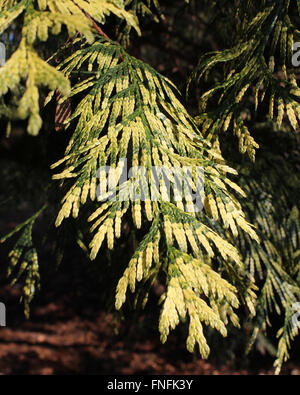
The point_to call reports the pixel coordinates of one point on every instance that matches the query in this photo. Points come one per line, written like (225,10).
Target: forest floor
(59,340)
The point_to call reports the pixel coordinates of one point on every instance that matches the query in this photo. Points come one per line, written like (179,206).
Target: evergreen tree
(70,70)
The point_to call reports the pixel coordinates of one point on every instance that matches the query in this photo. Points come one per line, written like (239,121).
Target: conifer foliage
(120,112)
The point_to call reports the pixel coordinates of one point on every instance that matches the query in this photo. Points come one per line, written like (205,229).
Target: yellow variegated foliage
(25,66)
(131,118)
(188,279)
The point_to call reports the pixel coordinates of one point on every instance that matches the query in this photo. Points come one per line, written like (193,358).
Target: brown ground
(58,340)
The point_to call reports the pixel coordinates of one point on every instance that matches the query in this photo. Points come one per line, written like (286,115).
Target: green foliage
(273,207)
(242,249)
(23,259)
(258,64)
